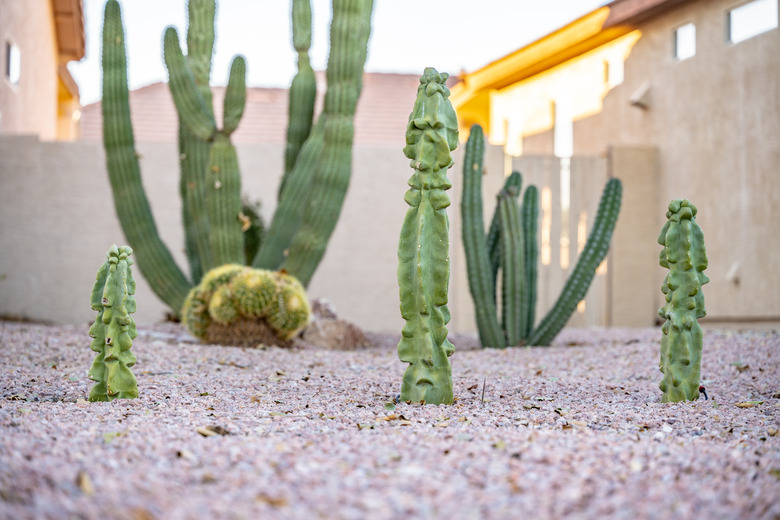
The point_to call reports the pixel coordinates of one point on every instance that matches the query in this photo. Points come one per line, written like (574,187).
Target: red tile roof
(383,111)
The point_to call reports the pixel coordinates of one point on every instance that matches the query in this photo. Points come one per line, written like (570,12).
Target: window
(13,63)
(685,42)
(750,19)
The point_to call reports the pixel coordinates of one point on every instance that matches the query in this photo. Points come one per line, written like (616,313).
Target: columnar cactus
(233,293)
(511,245)
(216,227)
(114,329)
(686,258)
(423,248)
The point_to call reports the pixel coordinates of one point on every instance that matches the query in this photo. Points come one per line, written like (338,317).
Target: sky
(406,36)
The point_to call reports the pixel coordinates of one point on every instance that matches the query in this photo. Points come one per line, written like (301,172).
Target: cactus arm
(579,281)
(194,152)
(288,214)
(193,111)
(493,236)
(512,267)
(530,217)
(132,206)
(350,30)
(681,344)
(478,265)
(114,329)
(303,90)
(423,248)
(223,198)
(235,96)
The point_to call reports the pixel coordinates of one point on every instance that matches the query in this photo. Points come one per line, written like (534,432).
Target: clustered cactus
(217,225)
(114,329)
(511,246)
(684,255)
(233,300)
(423,248)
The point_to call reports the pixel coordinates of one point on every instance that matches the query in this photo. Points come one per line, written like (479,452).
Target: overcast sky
(407,36)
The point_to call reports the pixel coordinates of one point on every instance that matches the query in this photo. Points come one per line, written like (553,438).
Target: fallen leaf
(443,424)
(581,424)
(85,483)
(749,404)
(108,437)
(531,407)
(391,417)
(211,430)
(365,426)
(271,501)
(389,406)
(405,423)
(772,432)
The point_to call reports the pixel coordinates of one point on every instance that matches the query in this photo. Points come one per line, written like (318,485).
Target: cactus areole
(423,248)
(685,257)
(114,330)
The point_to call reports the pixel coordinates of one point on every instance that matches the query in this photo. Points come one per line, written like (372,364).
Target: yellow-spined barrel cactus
(238,305)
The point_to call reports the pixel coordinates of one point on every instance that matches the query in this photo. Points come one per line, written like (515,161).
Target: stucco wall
(31,106)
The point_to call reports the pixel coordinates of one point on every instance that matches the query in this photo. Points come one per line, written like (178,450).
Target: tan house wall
(714,121)
(31,106)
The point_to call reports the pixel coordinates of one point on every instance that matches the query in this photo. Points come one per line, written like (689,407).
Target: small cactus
(685,257)
(423,248)
(114,329)
(232,296)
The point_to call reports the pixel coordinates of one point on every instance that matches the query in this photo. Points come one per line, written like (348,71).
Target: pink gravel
(575,430)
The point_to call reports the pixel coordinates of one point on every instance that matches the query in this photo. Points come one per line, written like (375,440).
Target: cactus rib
(530,217)
(593,253)
(512,267)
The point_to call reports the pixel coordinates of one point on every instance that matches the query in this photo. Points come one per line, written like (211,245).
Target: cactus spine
(684,255)
(114,329)
(216,229)
(423,248)
(511,245)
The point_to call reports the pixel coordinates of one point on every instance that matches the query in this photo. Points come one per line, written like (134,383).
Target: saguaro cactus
(114,329)
(217,227)
(685,257)
(511,245)
(423,248)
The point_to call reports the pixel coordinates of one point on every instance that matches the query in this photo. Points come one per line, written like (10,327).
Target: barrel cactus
(239,305)
(423,248)
(217,225)
(510,245)
(114,329)
(684,255)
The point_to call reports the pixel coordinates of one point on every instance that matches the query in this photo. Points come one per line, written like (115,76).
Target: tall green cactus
(423,248)
(114,329)
(686,258)
(317,161)
(511,246)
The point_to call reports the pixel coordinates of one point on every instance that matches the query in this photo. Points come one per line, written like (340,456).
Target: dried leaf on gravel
(749,404)
(84,483)
(211,430)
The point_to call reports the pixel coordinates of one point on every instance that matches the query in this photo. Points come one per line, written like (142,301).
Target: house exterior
(683,99)
(38,95)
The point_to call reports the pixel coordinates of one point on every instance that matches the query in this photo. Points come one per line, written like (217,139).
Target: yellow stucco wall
(39,104)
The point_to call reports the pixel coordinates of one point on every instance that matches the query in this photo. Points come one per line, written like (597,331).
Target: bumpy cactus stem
(530,217)
(579,280)
(686,258)
(132,206)
(423,249)
(481,282)
(114,329)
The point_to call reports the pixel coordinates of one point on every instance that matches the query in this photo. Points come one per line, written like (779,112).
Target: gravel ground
(575,430)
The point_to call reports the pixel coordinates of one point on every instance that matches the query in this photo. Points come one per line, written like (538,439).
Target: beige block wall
(57,221)
(31,106)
